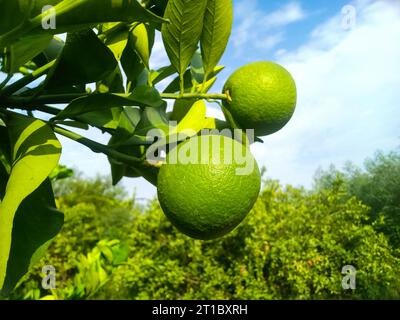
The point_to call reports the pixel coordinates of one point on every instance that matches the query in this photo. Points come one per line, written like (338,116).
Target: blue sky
(348,85)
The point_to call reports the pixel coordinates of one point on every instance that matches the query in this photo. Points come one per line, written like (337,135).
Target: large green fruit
(263,97)
(211,195)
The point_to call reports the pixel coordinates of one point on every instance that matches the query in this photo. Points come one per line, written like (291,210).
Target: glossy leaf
(194,120)
(117,42)
(142,41)
(71,15)
(182,35)
(218,20)
(152,119)
(93,12)
(16,13)
(128,121)
(36,222)
(196,68)
(191,124)
(131,63)
(84,59)
(161,74)
(103,119)
(180,109)
(23,50)
(141,96)
(51,52)
(112,83)
(147,96)
(35,153)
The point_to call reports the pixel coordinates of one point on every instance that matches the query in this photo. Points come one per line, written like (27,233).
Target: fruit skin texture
(263,97)
(206,201)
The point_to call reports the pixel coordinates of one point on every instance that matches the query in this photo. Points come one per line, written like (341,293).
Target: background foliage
(293,244)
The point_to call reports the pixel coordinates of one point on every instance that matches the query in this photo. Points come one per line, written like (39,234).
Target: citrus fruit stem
(189,96)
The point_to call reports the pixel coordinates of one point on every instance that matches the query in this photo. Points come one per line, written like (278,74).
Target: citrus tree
(101,77)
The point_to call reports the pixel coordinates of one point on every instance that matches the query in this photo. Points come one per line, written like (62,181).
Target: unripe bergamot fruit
(209,196)
(263,97)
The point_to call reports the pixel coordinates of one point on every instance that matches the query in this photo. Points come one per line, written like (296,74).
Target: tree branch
(19,84)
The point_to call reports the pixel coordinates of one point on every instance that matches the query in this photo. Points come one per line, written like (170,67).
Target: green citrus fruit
(263,97)
(208,185)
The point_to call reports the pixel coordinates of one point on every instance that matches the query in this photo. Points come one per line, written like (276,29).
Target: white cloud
(348,103)
(289,13)
(255,29)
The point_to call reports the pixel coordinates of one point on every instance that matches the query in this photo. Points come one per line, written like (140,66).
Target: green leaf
(35,153)
(182,35)
(131,63)
(13,13)
(142,40)
(128,121)
(73,124)
(84,59)
(112,83)
(23,50)
(92,103)
(147,96)
(117,42)
(174,86)
(51,52)
(196,68)
(189,83)
(142,96)
(181,108)
(71,16)
(152,118)
(5,156)
(218,20)
(194,120)
(106,118)
(36,222)
(192,123)
(161,74)
(93,12)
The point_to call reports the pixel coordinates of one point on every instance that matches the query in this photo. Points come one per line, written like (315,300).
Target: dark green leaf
(180,109)
(131,63)
(105,118)
(13,13)
(174,86)
(73,124)
(112,83)
(92,103)
(84,59)
(35,153)
(196,68)
(93,12)
(36,222)
(152,118)
(147,96)
(51,52)
(23,50)
(70,15)
(161,74)
(142,96)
